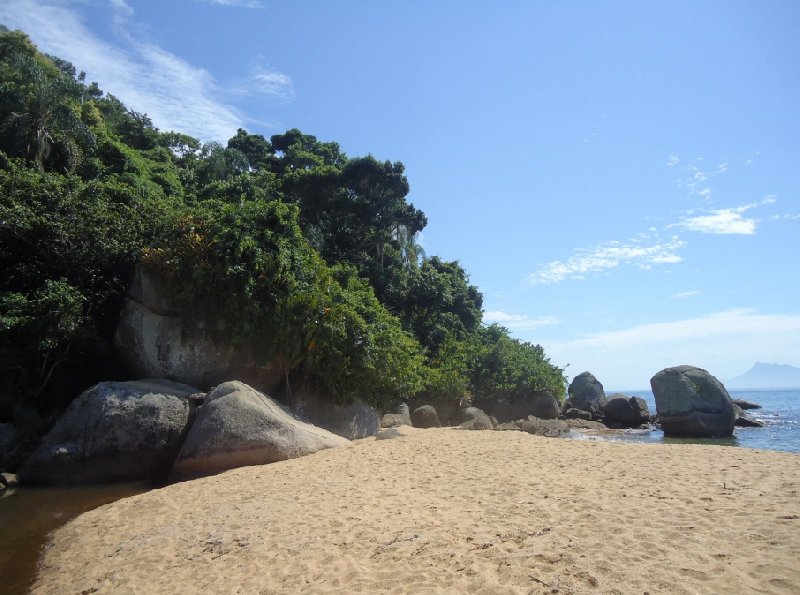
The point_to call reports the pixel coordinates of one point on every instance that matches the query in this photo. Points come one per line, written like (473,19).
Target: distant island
(764,375)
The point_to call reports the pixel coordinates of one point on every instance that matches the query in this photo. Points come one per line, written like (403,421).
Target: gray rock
(641,413)
(551,428)
(541,404)
(425,417)
(472,418)
(239,426)
(115,431)
(746,404)
(577,414)
(587,394)
(353,421)
(691,402)
(9,480)
(398,415)
(391,433)
(744,420)
(585,424)
(618,412)
(623,412)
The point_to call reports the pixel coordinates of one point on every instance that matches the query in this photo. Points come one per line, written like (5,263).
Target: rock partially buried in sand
(115,431)
(425,417)
(472,418)
(398,415)
(692,403)
(541,404)
(239,426)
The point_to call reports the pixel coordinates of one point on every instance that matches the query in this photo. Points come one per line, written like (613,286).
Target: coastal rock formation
(115,431)
(153,340)
(744,419)
(425,417)
(587,394)
(472,418)
(239,426)
(623,412)
(551,428)
(398,415)
(691,402)
(572,413)
(353,421)
(743,404)
(541,404)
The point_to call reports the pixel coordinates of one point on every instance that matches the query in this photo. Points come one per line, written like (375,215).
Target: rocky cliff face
(154,341)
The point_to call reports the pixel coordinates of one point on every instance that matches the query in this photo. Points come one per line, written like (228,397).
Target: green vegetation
(308,254)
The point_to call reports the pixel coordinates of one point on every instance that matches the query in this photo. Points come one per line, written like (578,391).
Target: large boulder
(623,412)
(154,339)
(540,404)
(691,402)
(115,431)
(472,418)
(239,426)
(398,415)
(425,417)
(587,394)
(743,404)
(352,421)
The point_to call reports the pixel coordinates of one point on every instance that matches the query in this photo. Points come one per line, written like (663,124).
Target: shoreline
(453,511)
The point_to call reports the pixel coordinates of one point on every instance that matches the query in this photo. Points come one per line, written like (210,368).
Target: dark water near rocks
(780,412)
(31,514)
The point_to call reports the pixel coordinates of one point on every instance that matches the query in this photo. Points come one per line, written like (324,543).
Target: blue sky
(621,179)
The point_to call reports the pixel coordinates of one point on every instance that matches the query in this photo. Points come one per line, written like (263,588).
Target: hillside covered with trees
(309,254)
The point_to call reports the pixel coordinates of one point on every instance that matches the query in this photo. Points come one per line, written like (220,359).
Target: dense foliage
(309,255)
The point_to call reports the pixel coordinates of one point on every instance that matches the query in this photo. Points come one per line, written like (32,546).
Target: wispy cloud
(643,252)
(685,295)
(174,93)
(238,3)
(724,221)
(518,322)
(726,343)
(695,175)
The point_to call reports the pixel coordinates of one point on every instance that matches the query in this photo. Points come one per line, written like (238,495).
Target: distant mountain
(763,375)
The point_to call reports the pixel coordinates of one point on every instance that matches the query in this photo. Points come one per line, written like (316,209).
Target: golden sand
(449,511)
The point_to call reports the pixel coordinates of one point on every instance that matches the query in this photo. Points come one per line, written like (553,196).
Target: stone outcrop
(425,417)
(743,404)
(744,419)
(691,402)
(623,412)
(353,421)
(472,418)
(587,394)
(115,431)
(540,404)
(153,340)
(398,415)
(239,426)
(551,428)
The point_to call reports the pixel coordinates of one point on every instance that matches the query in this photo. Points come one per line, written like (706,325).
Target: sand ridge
(449,511)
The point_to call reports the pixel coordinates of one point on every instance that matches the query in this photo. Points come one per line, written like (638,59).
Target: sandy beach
(449,511)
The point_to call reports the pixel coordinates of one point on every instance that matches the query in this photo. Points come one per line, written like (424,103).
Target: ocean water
(780,411)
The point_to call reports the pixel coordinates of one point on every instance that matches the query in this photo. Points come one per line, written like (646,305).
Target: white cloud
(611,255)
(724,221)
(685,294)
(239,3)
(673,160)
(725,343)
(175,94)
(518,322)
(271,82)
